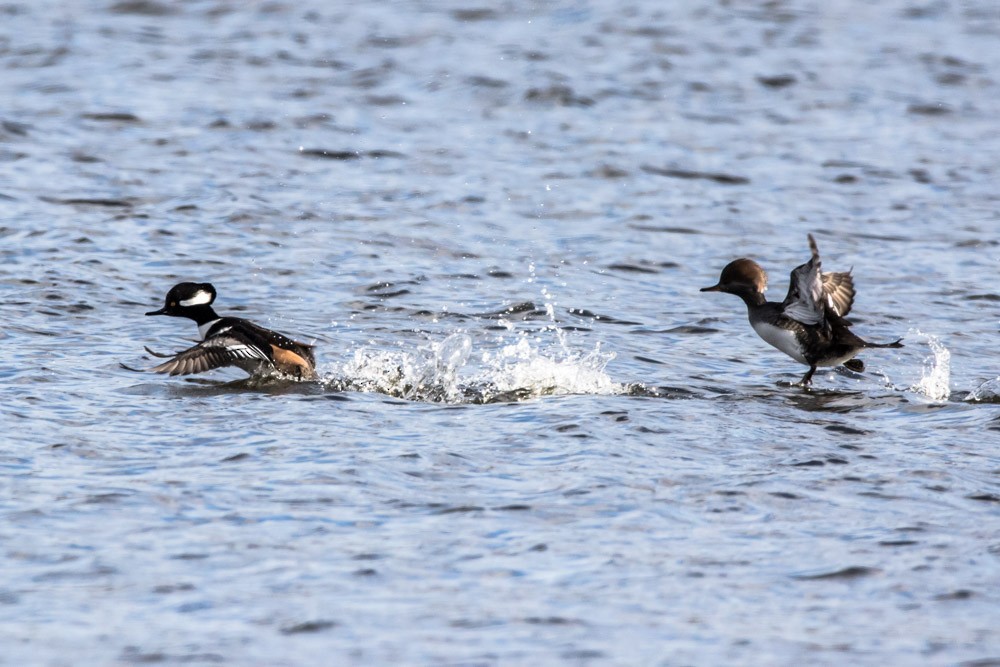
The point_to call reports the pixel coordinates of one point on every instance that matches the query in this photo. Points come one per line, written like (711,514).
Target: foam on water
(936,375)
(441,372)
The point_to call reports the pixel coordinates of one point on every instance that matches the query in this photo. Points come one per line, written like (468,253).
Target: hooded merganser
(809,325)
(229,341)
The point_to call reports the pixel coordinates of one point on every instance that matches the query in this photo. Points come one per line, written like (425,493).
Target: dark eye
(173,304)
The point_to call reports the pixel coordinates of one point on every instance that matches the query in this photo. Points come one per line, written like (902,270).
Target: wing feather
(839,291)
(215,352)
(805,290)
(813,294)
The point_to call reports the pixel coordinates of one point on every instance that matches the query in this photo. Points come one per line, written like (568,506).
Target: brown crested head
(739,277)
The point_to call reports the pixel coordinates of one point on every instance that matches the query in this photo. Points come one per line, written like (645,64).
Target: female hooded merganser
(229,341)
(809,325)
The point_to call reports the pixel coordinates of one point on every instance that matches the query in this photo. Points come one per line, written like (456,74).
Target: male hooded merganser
(809,325)
(229,341)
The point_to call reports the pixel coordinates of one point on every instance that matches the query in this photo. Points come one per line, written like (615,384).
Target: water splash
(440,372)
(987,392)
(430,373)
(520,370)
(441,367)
(512,367)
(936,378)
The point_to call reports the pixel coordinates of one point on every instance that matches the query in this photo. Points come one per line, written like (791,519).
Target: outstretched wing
(215,352)
(804,302)
(839,291)
(812,294)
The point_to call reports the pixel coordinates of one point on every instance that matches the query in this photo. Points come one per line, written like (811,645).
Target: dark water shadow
(202,388)
(839,401)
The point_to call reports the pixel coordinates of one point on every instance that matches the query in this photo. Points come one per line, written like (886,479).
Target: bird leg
(808,377)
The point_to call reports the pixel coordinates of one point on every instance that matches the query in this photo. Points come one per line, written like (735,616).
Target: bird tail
(896,343)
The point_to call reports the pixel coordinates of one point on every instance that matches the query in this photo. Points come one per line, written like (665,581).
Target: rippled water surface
(534,441)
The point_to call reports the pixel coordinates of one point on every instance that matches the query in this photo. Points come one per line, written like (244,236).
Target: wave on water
(443,372)
(935,382)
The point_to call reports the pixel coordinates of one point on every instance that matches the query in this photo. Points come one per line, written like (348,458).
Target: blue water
(534,441)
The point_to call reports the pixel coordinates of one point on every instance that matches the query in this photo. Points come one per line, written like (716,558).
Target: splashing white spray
(431,373)
(935,383)
(514,366)
(519,370)
(513,372)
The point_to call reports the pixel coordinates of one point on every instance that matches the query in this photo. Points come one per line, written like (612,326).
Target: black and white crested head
(192,294)
(185,299)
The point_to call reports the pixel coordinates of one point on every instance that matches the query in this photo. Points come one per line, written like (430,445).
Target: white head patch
(200,298)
